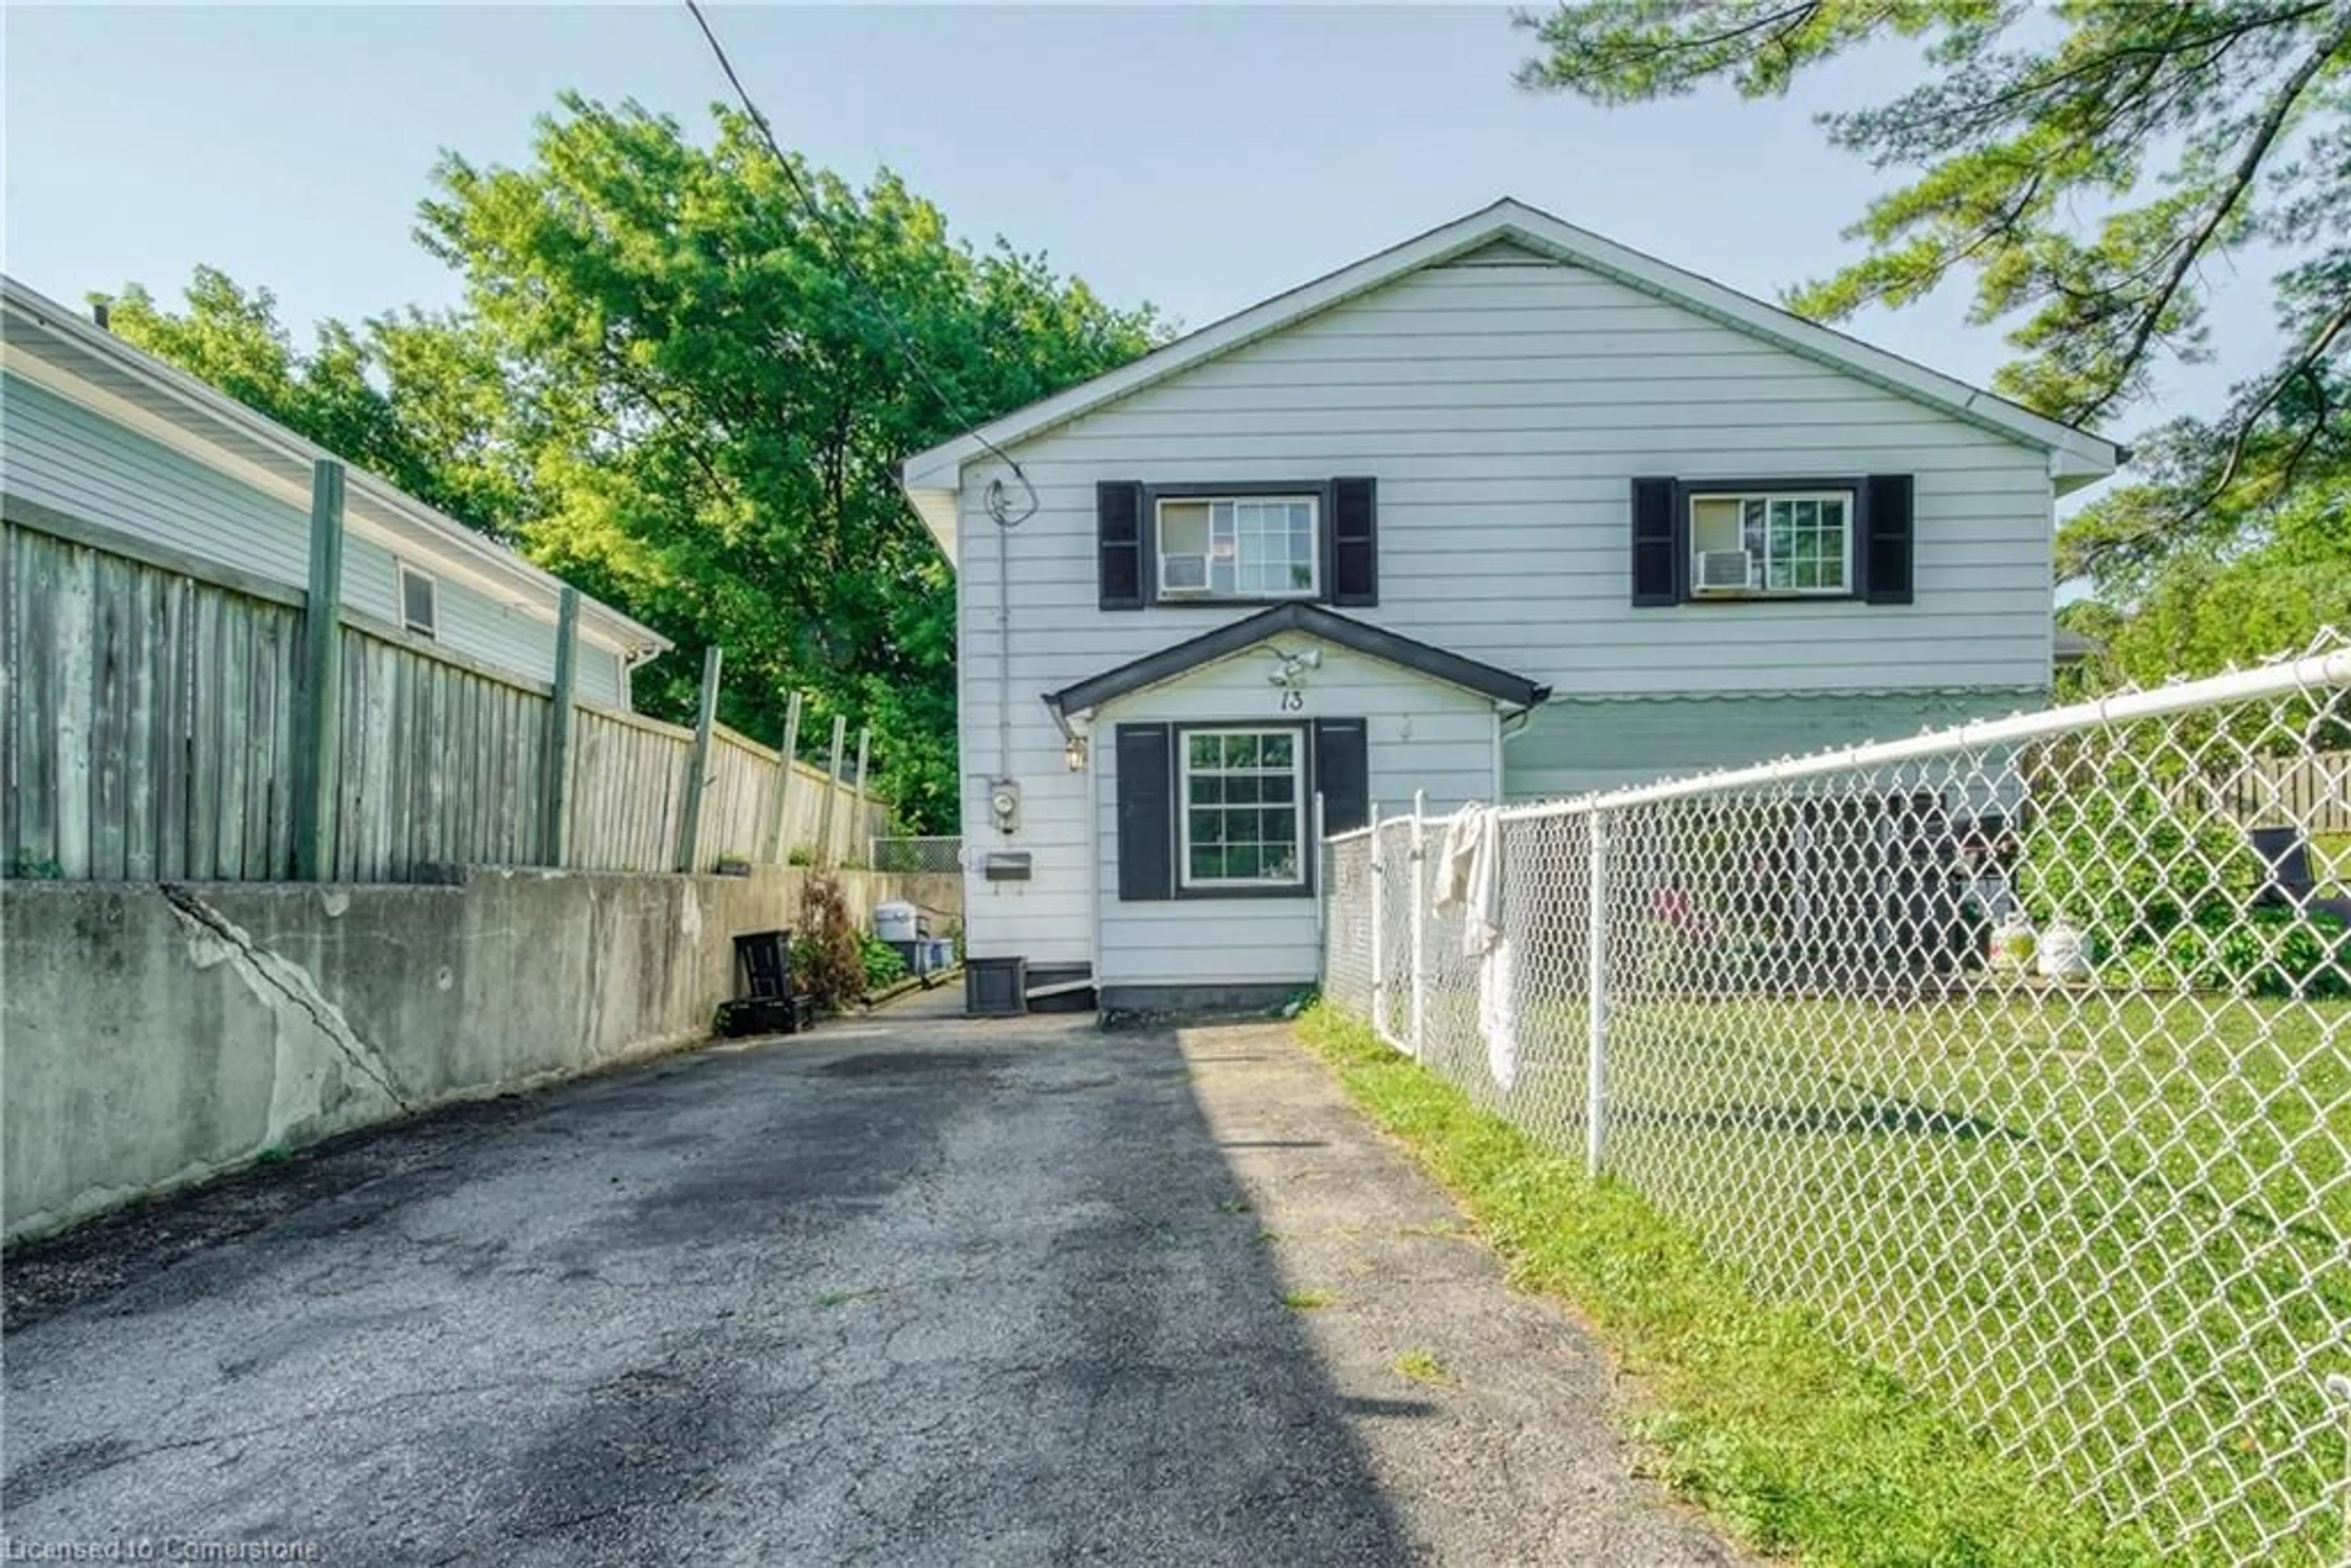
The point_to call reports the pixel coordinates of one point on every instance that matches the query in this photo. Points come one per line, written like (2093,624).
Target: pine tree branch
(2241,180)
(2305,364)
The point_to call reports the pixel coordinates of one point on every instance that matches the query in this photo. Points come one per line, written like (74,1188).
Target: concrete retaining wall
(152,1036)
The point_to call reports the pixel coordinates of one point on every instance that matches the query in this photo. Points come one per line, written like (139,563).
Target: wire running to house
(999,502)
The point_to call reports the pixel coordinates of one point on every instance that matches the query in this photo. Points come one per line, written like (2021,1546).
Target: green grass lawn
(1752,1409)
(2110,1234)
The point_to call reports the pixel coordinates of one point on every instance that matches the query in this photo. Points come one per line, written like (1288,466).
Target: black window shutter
(1342,773)
(1658,534)
(1885,555)
(1355,542)
(1146,813)
(1119,536)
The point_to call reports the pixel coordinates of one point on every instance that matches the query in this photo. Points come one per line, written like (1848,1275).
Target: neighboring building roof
(2076,457)
(54,345)
(2069,647)
(1308,619)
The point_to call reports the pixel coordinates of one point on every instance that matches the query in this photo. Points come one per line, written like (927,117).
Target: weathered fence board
(439,763)
(734,801)
(628,790)
(150,732)
(141,709)
(2311,790)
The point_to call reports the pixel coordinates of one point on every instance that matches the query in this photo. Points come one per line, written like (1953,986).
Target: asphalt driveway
(911,1289)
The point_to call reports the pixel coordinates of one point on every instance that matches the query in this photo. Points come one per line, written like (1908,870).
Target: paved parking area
(910,1290)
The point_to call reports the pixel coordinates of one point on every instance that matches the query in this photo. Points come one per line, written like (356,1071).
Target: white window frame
(402,574)
(1849,499)
(1185,880)
(1313,505)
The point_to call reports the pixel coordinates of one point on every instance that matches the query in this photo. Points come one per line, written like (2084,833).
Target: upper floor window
(420,602)
(1766,543)
(1239,546)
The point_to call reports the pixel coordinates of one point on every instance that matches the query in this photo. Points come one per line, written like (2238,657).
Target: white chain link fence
(2004,1049)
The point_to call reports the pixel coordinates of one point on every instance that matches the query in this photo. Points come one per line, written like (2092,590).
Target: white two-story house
(1507,511)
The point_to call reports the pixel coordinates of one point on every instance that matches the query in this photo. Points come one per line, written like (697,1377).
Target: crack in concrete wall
(158,1034)
(263,971)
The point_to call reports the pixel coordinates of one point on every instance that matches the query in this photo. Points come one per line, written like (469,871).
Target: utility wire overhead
(999,506)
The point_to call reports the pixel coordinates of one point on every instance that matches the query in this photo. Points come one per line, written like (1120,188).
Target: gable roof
(53,346)
(2075,457)
(1310,620)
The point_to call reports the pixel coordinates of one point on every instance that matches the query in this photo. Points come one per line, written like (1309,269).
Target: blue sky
(1202,158)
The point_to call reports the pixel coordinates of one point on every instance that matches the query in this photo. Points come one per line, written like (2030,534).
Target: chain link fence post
(1379,918)
(1418,905)
(1596,1009)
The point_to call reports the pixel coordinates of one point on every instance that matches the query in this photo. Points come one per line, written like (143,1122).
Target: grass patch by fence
(2127,1203)
(1754,1411)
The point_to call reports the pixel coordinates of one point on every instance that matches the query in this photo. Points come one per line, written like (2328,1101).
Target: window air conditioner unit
(1725,571)
(1184,573)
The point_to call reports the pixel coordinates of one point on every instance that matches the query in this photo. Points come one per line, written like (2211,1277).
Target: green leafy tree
(418,399)
(719,384)
(2286,573)
(2089,170)
(679,387)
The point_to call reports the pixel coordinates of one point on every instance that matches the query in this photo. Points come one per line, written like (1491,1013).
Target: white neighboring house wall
(105,440)
(1421,734)
(1504,402)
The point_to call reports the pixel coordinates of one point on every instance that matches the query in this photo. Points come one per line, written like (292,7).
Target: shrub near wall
(828,952)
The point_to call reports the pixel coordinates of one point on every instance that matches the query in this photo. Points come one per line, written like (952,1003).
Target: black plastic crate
(995,988)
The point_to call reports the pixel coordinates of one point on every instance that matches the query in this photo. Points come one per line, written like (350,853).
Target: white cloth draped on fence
(1470,878)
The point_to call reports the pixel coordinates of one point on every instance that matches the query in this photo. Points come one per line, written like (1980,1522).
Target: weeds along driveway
(909,1289)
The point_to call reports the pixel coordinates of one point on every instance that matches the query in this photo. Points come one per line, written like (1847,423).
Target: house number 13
(1293,702)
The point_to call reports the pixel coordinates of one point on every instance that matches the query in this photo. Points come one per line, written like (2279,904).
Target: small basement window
(1779,543)
(1242,793)
(1239,546)
(420,602)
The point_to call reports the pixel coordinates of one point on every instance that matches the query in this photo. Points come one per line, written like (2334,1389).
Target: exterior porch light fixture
(1292,675)
(1073,752)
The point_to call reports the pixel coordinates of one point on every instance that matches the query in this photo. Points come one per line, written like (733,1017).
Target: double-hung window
(1242,798)
(1239,546)
(1770,543)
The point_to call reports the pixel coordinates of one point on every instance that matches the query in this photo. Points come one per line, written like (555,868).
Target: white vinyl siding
(1421,734)
(59,455)
(1576,745)
(1504,411)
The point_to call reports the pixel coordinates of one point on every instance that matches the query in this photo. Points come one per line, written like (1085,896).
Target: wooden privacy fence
(2311,788)
(149,730)
(440,763)
(629,798)
(156,727)
(628,790)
